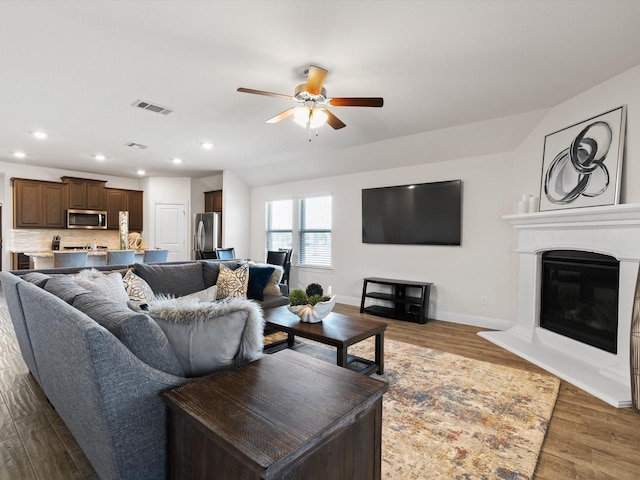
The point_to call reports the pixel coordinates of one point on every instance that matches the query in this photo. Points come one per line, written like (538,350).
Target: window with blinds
(314,231)
(279,221)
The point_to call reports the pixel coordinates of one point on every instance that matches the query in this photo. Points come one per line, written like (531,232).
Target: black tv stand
(405,307)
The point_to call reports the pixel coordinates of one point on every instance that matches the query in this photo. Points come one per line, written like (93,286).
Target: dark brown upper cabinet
(213,201)
(119,200)
(86,194)
(38,204)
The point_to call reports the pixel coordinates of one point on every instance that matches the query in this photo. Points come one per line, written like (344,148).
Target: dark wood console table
(285,416)
(405,306)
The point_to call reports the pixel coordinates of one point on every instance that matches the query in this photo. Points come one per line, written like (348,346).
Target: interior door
(171,230)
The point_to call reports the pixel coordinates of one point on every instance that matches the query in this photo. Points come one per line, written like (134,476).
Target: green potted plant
(311,305)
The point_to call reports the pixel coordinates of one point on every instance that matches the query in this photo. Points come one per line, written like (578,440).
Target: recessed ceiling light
(40,135)
(207,145)
(99,157)
(176,160)
(141,172)
(19,154)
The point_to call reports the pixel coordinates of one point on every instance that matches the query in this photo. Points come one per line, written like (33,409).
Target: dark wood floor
(587,438)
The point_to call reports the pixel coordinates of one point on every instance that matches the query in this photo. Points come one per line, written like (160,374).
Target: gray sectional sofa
(103,365)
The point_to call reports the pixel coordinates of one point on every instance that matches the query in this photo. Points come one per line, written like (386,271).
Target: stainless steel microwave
(89,219)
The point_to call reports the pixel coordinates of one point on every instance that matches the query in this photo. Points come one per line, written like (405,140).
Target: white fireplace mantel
(611,230)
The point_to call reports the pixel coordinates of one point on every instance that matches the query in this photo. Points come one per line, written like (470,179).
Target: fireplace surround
(612,231)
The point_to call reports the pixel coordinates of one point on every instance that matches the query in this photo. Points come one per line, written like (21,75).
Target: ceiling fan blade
(262,92)
(357,102)
(315,79)
(282,116)
(334,121)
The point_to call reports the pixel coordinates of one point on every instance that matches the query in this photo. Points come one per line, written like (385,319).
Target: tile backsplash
(39,240)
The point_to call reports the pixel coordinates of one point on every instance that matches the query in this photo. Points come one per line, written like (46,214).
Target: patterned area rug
(451,417)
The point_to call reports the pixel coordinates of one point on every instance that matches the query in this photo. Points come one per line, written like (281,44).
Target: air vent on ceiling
(152,107)
(135,145)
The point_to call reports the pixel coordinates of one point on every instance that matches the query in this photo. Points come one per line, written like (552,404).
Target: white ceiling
(73,69)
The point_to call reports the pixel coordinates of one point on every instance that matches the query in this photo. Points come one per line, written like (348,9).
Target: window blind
(314,228)
(279,221)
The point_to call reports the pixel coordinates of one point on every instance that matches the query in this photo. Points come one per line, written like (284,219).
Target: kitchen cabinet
(118,200)
(86,194)
(213,201)
(38,204)
(134,204)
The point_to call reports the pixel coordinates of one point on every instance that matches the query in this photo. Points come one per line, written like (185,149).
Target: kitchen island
(44,259)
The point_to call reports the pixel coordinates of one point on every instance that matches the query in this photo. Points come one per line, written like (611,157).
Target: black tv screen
(420,214)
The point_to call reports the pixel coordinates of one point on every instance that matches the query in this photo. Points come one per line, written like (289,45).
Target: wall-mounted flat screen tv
(419,214)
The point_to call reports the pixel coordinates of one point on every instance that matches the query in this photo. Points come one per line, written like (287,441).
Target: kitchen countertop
(49,253)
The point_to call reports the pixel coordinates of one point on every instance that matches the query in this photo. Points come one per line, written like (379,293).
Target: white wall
(620,90)
(461,275)
(485,264)
(236,214)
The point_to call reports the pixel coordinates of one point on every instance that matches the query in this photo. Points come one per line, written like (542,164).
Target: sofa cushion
(259,277)
(233,283)
(137,289)
(210,273)
(207,336)
(109,285)
(211,269)
(37,278)
(172,279)
(65,287)
(137,331)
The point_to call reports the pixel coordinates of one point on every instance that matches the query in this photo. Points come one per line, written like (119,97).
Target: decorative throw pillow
(137,289)
(109,286)
(272,288)
(258,279)
(232,283)
(206,295)
(208,336)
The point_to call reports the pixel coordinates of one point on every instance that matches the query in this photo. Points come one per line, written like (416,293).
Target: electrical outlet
(484,300)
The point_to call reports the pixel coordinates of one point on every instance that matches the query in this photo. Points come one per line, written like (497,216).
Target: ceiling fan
(312,111)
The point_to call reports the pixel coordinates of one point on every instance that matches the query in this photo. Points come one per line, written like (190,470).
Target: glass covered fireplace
(579,297)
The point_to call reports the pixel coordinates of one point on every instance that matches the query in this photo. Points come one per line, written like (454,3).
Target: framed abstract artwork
(582,164)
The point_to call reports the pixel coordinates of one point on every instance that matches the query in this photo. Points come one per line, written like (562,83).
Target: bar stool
(70,259)
(155,256)
(120,257)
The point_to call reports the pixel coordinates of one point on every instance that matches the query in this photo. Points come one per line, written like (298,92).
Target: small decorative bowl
(315,313)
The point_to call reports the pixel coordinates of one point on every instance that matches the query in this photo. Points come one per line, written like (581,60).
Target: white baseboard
(461,318)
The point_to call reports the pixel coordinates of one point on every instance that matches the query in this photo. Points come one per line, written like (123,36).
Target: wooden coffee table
(336,330)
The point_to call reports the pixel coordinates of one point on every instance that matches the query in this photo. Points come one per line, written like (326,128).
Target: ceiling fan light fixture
(318,117)
(301,116)
(310,117)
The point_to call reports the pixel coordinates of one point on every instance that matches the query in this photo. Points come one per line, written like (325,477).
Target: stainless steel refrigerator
(207,234)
